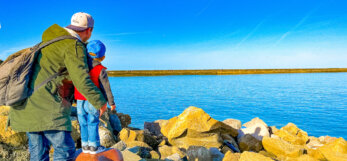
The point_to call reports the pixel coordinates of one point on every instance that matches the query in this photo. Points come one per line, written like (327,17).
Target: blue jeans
(40,142)
(88,118)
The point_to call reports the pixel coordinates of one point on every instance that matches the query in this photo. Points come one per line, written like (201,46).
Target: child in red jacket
(88,116)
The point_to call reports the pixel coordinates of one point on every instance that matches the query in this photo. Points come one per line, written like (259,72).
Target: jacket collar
(73,33)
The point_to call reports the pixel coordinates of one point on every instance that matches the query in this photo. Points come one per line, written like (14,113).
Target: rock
(231,140)
(125,119)
(128,135)
(154,155)
(336,150)
(326,139)
(166,151)
(198,153)
(279,147)
(75,133)
(129,156)
(226,149)
(109,154)
(265,153)
(316,154)
(250,143)
(4,110)
(106,137)
(257,130)
(111,121)
(314,143)
(195,127)
(9,136)
(120,146)
(236,124)
(141,151)
(273,129)
(254,121)
(251,156)
(153,128)
(301,158)
(174,157)
(292,134)
(13,153)
(229,156)
(163,142)
(216,154)
(138,143)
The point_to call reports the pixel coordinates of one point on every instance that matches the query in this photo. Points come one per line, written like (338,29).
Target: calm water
(316,103)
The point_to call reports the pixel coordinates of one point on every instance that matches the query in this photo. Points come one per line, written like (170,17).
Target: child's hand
(113,108)
(103,109)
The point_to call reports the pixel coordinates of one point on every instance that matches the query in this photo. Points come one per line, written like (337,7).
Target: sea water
(315,102)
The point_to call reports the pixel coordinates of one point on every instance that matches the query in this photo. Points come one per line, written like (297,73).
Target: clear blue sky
(193,34)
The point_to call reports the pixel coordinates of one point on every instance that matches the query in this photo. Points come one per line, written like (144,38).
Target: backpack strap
(61,71)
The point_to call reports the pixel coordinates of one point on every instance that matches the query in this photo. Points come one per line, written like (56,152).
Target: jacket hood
(52,32)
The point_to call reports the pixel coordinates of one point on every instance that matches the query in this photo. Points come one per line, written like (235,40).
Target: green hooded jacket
(48,108)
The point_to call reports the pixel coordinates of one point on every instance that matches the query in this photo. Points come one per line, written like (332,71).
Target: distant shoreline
(127,73)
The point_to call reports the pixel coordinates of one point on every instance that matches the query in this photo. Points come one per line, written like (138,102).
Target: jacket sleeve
(76,64)
(105,87)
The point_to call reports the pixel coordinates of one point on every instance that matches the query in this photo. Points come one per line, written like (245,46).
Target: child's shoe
(86,149)
(95,150)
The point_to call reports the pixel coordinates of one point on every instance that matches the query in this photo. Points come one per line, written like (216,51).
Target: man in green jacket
(45,116)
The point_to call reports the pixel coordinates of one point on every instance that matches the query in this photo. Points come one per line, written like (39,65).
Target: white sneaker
(95,150)
(86,149)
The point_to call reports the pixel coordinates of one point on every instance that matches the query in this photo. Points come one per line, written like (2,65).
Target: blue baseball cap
(96,49)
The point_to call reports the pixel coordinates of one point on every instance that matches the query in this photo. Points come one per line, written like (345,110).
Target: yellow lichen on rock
(279,147)
(229,156)
(292,134)
(166,151)
(252,156)
(195,127)
(335,151)
(4,110)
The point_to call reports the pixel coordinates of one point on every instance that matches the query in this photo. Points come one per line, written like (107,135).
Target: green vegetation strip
(121,73)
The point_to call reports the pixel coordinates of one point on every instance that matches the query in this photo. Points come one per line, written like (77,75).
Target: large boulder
(254,121)
(251,156)
(138,144)
(120,146)
(236,124)
(279,147)
(128,135)
(250,143)
(10,137)
(336,150)
(194,127)
(216,154)
(106,137)
(293,134)
(257,130)
(153,127)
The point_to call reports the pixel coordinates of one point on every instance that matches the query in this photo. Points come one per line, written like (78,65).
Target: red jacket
(94,76)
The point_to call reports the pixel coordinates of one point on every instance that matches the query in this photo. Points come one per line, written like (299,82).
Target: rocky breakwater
(194,135)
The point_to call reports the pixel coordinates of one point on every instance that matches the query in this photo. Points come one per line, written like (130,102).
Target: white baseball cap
(81,21)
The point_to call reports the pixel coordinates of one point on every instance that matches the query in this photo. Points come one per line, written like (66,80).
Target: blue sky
(195,34)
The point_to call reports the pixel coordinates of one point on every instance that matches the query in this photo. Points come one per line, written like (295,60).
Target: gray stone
(120,146)
(256,120)
(141,151)
(106,137)
(216,154)
(199,153)
(257,130)
(153,128)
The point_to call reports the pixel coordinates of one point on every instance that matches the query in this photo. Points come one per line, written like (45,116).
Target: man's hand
(103,109)
(113,108)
